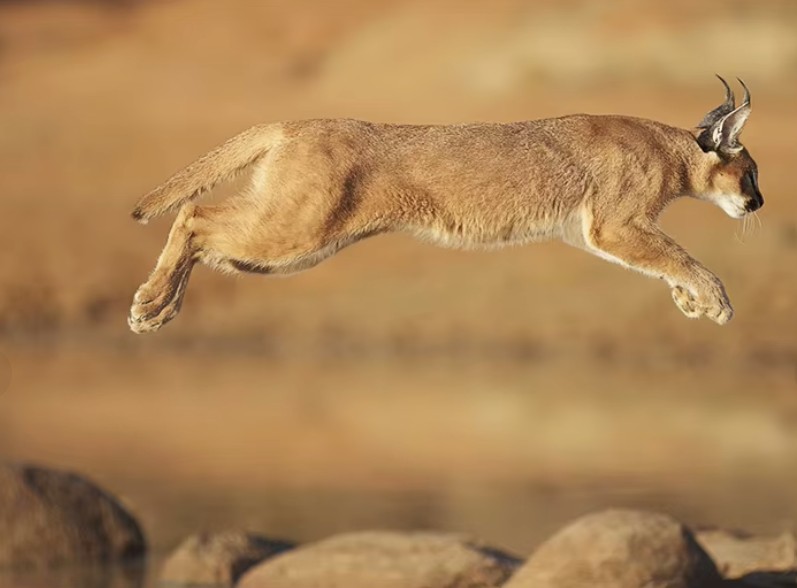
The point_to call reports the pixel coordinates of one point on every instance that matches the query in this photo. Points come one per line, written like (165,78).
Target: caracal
(596,182)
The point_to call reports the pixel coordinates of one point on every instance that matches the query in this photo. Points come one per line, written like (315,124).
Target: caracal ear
(733,124)
(721,111)
(723,125)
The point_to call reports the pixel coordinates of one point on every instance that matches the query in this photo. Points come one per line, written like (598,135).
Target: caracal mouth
(738,214)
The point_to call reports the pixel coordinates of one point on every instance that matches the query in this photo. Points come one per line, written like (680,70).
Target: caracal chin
(596,182)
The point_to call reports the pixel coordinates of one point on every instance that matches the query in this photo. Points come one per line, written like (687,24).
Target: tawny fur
(596,182)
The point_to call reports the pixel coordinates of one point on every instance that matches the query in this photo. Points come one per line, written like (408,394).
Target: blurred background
(395,385)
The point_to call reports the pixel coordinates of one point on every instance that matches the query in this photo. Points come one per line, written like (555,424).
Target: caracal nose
(754,204)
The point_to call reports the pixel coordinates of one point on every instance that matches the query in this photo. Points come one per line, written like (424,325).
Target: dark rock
(51,517)
(217,559)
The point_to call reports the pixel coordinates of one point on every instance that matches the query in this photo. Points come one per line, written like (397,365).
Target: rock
(386,560)
(92,575)
(738,553)
(765,580)
(50,517)
(620,549)
(217,559)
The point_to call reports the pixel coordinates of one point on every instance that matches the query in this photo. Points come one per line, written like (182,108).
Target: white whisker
(739,236)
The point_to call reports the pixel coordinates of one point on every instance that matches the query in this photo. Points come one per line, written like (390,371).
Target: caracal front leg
(642,246)
(158,300)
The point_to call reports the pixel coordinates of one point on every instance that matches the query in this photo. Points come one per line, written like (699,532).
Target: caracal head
(730,178)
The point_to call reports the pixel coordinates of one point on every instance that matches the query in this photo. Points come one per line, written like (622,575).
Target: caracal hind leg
(234,240)
(158,300)
(231,239)
(285,222)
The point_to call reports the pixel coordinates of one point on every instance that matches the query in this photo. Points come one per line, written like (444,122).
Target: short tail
(207,171)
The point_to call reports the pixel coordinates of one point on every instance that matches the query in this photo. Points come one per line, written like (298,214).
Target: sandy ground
(396,384)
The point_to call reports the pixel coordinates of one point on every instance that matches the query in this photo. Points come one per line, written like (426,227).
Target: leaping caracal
(596,182)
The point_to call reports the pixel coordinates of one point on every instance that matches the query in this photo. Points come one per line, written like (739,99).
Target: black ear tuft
(720,111)
(705,141)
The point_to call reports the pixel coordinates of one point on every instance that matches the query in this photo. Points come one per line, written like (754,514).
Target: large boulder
(50,517)
(217,559)
(738,553)
(386,560)
(620,549)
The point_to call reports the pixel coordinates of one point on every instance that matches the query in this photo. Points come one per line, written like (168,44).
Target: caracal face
(732,174)
(734,185)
